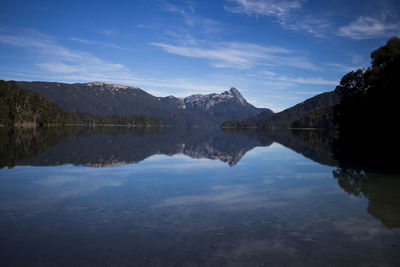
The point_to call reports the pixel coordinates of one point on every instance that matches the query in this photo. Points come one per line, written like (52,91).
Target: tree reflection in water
(381,190)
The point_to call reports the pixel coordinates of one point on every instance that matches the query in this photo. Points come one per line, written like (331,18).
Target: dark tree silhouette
(366,118)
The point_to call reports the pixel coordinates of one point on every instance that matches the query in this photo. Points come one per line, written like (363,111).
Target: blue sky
(277,53)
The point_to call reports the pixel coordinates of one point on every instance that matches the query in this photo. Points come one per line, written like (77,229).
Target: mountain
(23,107)
(227,105)
(101,98)
(286,118)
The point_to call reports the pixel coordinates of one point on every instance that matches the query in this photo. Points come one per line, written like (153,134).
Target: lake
(190,197)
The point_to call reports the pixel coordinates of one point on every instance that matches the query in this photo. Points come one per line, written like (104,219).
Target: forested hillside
(286,118)
(22,107)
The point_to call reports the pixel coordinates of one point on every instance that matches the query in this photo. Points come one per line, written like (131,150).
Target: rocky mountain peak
(208,102)
(233,92)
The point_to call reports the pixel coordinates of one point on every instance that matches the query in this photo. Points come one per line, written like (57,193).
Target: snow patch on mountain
(109,86)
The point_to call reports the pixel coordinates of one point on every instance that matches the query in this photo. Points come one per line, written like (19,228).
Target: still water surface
(191,198)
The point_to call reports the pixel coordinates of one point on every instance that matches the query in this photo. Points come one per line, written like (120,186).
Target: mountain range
(101,98)
(228,108)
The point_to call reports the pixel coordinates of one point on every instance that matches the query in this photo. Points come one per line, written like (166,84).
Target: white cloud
(338,67)
(192,20)
(173,8)
(301,80)
(96,43)
(240,55)
(369,28)
(289,14)
(272,8)
(107,32)
(268,73)
(317,26)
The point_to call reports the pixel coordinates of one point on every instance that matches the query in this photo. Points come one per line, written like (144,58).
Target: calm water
(190,198)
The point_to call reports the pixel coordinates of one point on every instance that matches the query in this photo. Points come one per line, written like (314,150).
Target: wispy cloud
(282,81)
(55,58)
(108,32)
(302,80)
(240,55)
(96,43)
(369,28)
(45,46)
(273,8)
(192,20)
(316,26)
(289,14)
(343,68)
(173,8)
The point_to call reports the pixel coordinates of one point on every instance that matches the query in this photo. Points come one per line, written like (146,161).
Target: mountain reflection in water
(101,147)
(272,206)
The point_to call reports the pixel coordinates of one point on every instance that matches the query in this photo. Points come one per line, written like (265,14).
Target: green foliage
(238,124)
(125,120)
(351,83)
(319,118)
(285,118)
(19,106)
(386,55)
